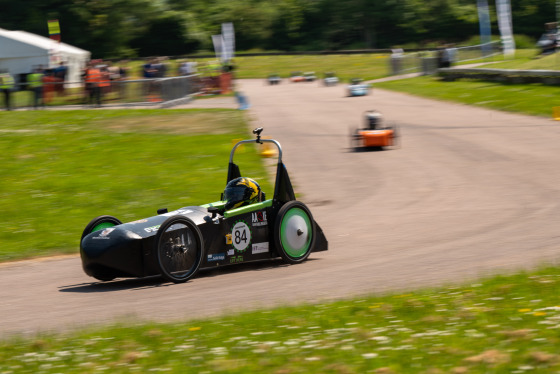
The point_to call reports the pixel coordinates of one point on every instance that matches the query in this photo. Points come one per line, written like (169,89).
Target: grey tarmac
(469,192)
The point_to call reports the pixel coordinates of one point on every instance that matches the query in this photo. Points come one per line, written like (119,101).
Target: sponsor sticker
(236,259)
(241,236)
(216,257)
(259,248)
(105,233)
(231,252)
(259,218)
(228,239)
(152,229)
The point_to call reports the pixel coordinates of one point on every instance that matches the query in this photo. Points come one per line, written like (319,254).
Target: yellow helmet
(241,191)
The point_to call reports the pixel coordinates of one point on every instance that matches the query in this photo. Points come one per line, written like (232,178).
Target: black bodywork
(249,233)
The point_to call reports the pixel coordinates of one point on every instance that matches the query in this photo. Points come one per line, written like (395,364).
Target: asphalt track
(469,192)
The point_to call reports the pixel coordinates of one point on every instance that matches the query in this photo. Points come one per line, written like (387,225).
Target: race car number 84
(241,236)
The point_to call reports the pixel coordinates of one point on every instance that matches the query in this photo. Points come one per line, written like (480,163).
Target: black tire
(179,249)
(396,136)
(294,232)
(104,277)
(96,224)
(355,139)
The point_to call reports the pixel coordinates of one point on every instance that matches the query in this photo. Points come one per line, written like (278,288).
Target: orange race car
(374,134)
(297,76)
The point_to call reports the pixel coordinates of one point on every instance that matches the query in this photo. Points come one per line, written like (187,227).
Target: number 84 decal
(241,236)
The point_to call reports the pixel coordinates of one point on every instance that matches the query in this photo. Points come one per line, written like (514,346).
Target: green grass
(527,59)
(60,169)
(366,66)
(533,99)
(505,324)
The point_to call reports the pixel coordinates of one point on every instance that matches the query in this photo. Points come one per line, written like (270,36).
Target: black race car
(177,244)
(274,79)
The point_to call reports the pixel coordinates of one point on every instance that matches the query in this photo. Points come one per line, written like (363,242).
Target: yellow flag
(54,27)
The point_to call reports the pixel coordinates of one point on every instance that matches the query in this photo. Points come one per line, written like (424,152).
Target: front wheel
(179,249)
(294,234)
(100,223)
(97,224)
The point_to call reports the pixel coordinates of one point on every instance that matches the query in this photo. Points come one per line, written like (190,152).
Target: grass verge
(366,66)
(528,59)
(60,169)
(505,324)
(533,99)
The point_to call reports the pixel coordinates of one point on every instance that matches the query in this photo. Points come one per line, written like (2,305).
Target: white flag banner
(484,21)
(217,40)
(503,8)
(228,35)
(485,27)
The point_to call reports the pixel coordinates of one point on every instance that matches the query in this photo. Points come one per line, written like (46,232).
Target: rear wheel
(396,136)
(97,224)
(179,249)
(355,139)
(294,234)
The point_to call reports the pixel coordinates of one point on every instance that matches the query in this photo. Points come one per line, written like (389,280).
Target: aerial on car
(242,226)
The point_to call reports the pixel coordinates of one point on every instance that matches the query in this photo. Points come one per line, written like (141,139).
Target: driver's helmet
(374,119)
(241,191)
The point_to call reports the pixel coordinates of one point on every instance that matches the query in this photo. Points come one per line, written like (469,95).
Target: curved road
(470,192)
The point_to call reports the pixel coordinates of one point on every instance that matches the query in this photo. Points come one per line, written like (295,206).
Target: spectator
(396,60)
(123,76)
(148,72)
(93,83)
(184,68)
(60,73)
(6,86)
(35,84)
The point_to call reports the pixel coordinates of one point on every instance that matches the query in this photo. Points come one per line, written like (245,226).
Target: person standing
(35,84)
(93,80)
(104,83)
(60,73)
(6,86)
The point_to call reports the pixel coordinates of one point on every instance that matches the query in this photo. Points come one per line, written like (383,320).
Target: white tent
(21,51)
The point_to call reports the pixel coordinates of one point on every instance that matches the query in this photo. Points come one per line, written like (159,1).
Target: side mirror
(213,211)
(162,211)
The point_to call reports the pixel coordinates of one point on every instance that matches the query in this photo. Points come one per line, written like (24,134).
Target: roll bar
(283,190)
(258,140)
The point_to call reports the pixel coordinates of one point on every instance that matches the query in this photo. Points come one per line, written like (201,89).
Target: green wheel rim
(102,226)
(295,251)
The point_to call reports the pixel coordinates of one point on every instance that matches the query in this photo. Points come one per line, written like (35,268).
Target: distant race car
(242,226)
(274,79)
(373,134)
(330,79)
(296,76)
(357,88)
(309,76)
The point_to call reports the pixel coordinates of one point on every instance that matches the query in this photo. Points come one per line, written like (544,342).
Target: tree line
(140,28)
